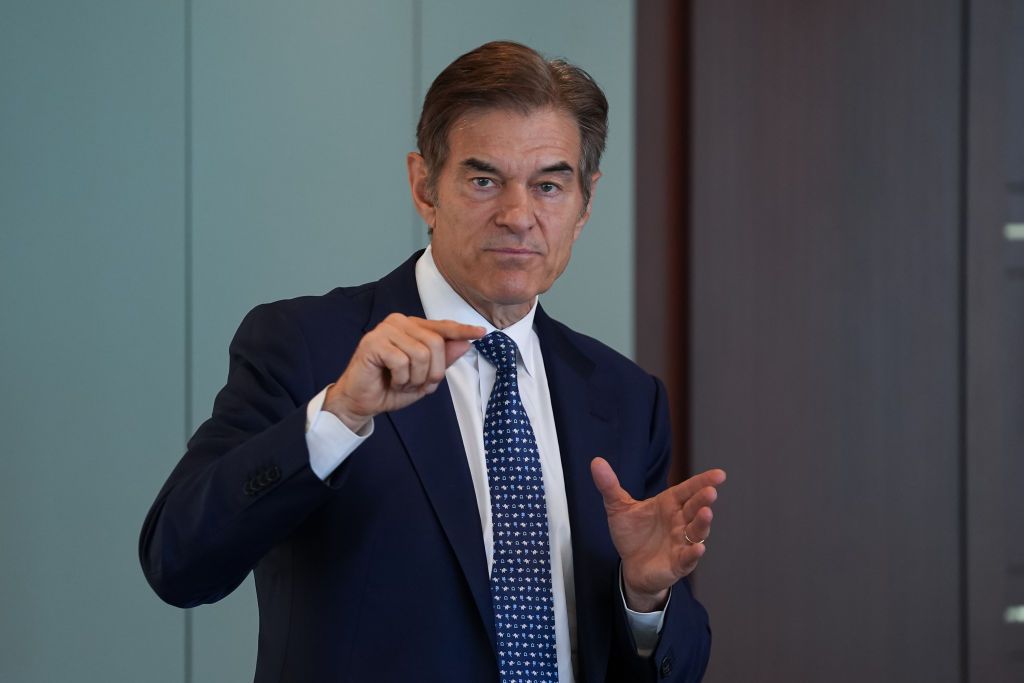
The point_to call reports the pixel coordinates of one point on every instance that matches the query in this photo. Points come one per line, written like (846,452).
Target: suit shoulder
(605,358)
(347,307)
(319,332)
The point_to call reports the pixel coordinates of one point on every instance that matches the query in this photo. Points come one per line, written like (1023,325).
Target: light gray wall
(91,341)
(164,167)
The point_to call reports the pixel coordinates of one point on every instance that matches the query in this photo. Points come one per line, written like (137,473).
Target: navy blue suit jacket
(379,574)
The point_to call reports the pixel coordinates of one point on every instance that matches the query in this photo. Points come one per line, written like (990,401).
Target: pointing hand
(397,363)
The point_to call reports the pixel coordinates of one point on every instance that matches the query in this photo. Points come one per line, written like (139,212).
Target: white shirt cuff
(646,626)
(328,439)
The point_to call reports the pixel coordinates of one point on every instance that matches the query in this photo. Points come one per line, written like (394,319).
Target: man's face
(508,206)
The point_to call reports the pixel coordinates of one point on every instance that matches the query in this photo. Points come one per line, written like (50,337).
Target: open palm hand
(659,539)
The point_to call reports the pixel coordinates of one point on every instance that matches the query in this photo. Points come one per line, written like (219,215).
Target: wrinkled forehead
(542,137)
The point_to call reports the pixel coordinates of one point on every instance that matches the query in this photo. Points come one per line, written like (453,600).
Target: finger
(437,346)
(703,498)
(427,350)
(454,350)
(687,559)
(683,491)
(397,364)
(451,330)
(699,529)
(608,484)
(418,355)
(455,335)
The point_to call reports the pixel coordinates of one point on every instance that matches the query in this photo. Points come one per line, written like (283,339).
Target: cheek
(558,257)
(562,239)
(463,224)
(566,254)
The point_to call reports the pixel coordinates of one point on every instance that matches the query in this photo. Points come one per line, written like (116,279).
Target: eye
(482,182)
(547,188)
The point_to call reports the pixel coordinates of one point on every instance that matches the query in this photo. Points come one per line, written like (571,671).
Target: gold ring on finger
(690,540)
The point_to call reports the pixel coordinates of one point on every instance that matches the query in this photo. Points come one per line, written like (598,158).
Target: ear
(421,197)
(585,216)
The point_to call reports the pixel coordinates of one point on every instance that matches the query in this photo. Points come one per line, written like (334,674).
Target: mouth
(513,251)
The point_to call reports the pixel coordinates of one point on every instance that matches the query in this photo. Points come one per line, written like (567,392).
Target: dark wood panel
(662,205)
(995,335)
(825,336)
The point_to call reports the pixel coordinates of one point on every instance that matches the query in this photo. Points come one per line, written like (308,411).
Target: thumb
(454,350)
(608,484)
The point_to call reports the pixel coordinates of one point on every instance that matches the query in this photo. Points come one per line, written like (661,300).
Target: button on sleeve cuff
(329,441)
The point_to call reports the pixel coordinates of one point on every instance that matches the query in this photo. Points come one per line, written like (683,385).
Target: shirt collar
(441,302)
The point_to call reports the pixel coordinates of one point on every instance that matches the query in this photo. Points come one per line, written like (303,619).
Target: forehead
(508,136)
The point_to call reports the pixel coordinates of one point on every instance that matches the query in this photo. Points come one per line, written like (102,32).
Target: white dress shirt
(470,380)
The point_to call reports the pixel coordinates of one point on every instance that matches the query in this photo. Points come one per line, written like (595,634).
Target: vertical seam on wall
(632,59)
(962,341)
(417,85)
(188,281)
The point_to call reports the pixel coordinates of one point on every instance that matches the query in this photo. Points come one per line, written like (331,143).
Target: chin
(506,298)
(512,294)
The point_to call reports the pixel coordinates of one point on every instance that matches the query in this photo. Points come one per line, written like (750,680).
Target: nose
(516,209)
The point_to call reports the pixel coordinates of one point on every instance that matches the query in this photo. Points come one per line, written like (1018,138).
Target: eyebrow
(560,167)
(475,164)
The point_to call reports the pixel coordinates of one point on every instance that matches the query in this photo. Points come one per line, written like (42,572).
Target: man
(408,466)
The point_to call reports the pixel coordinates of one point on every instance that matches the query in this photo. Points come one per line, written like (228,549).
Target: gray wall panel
(91,282)
(300,119)
(302,116)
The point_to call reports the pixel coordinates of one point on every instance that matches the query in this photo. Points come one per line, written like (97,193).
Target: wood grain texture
(995,335)
(825,319)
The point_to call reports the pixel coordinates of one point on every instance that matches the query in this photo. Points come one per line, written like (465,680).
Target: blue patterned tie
(524,614)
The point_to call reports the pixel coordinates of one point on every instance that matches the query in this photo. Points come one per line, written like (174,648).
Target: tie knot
(499,349)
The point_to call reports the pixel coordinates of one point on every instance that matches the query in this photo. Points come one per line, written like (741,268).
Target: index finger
(685,490)
(452,330)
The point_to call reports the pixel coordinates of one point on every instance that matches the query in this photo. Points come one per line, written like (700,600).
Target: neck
(499,315)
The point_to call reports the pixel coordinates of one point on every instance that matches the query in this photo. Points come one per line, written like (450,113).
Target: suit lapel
(429,430)
(584,423)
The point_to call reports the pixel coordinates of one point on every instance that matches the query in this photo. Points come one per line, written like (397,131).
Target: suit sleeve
(245,482)
(684,645)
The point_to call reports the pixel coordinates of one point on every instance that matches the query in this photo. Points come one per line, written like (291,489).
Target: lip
(513,251)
